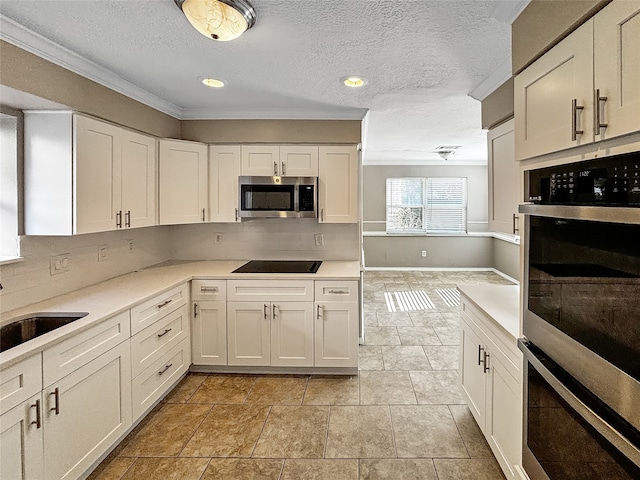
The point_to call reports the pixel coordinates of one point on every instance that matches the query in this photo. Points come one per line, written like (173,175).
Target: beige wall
(273,131)
(506,258)
(29,73)
(543,23)
(498,106)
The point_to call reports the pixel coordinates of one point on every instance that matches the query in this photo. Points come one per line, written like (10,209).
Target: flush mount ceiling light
(353,81)
(213,82)
(219,19)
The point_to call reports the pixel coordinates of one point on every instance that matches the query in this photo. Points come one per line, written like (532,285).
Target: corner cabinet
(84,175)
(585,89)
(491,381)
(504,180)
(338,184)
(183,195)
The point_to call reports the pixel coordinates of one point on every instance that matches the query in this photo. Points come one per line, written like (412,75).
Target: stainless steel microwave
(277,197)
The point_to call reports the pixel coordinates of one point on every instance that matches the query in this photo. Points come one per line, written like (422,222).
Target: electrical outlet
(59,264)
(319,239)
(102,253)
(130,245)
(423,253)
(217,238)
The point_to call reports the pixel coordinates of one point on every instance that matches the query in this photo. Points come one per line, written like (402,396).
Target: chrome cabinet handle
(318,312)
(208,289)
(38,421)
(597,121)
(273,309)
(275,168)
(480,350)
(516,230)
(339,292)
(160,335)
(166,367)
(165,303)
(485,360)
(236,214)
(56,398)
(195,310)
(266,313)
(284,169)
(322,214)
(203,214)
(574,119)
(119,219)
(127,219)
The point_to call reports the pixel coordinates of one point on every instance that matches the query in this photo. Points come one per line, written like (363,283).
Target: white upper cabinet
(83,175)
(338,184)
(183,182)
(585,89)
(224,170)
(282,160)
(617,69)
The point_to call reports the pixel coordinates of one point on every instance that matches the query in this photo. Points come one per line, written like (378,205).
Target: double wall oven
(581,322)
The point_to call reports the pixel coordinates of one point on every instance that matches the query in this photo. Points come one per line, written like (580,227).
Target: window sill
(6,260)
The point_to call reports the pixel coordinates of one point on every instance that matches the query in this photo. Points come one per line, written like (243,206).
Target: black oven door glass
(563,443)
(279,198)
(584,279)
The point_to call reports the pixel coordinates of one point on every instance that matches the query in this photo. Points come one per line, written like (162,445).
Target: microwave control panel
(613,181)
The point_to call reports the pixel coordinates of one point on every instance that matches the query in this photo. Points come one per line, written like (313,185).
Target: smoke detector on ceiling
(445,151)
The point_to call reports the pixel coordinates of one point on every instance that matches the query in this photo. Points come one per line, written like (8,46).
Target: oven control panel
(612,181)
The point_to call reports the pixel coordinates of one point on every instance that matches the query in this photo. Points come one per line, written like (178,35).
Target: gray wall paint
(506,258)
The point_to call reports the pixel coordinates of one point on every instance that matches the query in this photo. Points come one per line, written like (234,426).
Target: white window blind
(426,205)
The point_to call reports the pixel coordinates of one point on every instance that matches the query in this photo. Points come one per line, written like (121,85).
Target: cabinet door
(336,334)
(617,68)
(21,449)
(544,92)
(338,184)
(183,182)
(224,170)
(292,334)
(298,161)
(91,410)
(504,417)
(139,161)
(504,179)
(261,160)
(97,181)
(472,377)
(248,333)
(209,333)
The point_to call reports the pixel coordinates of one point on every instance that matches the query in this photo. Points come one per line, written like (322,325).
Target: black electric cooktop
(279,266)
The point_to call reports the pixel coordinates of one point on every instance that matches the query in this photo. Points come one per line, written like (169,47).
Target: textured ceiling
(421,59)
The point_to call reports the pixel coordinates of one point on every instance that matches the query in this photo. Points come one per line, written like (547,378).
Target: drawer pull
(166,367)
(318,314)
(486,362)
(208,289)
(164,333)
(37,422)
(165,303)
(56,398)
(339,292)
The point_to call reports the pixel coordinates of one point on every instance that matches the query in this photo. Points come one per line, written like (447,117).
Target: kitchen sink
(33,325)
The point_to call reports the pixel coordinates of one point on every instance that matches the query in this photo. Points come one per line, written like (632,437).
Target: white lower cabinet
(291,334)
(491,381)
(336,334)
(209,322)
(85,413)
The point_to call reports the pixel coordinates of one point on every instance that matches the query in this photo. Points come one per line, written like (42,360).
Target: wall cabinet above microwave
(83,175)
(280,160)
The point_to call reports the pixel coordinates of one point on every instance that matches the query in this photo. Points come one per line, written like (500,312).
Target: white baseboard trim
(442,269)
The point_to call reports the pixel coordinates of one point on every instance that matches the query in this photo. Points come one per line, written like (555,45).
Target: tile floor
(402,417)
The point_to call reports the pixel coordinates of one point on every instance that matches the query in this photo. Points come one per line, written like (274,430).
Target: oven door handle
(606,430)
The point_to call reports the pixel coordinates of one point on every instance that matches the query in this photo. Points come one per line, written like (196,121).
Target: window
(427,205)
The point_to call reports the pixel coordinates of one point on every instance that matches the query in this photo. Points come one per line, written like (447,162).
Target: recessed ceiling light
(213,82)
(353,81)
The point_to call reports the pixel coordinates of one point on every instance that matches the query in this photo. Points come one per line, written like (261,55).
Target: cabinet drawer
(152,310)
(20,381)
(270,290)
(208,290)
(152,383)
(73,353)
(153,341)
(337,291)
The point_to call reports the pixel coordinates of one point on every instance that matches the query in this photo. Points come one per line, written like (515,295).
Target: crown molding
(497,77)
(507,12)
(212,113)
(20,36)
(423,162)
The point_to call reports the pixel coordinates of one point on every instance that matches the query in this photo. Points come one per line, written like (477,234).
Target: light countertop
(111,297)
(500,302)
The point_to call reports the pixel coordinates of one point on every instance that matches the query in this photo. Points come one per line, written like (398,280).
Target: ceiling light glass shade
(219,19)
(353,81)
(213,82)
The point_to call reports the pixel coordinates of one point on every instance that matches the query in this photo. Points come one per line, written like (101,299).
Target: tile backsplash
(92,258)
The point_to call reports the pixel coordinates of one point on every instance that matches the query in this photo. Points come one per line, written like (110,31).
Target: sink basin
(32,326)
